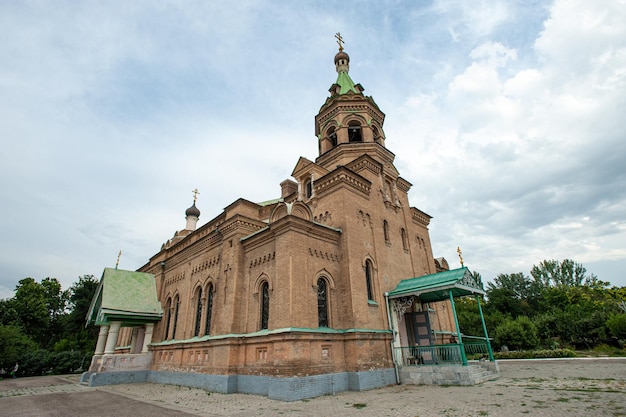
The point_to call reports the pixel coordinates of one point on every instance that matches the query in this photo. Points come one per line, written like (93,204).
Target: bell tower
(349,122)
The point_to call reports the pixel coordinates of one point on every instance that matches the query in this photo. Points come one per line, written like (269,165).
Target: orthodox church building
(287,298)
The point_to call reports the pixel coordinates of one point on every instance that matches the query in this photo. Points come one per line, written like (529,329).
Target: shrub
(617,325)
(66,362)
(12,343)
(536,354)
(34,362)
(517,334)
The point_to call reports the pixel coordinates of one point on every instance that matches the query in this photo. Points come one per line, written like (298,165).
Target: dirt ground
(573,387)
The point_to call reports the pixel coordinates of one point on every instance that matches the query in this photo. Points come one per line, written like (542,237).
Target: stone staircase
(483,371)
(472,374)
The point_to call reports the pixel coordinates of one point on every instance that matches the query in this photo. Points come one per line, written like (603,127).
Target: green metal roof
(126,296)
(345,82)
(437,287)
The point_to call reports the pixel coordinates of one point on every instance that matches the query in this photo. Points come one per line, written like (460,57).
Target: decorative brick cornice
(181,253)
(209,263)
(350,107)
(324,255)
(262,259)
(366,162)
(239,222)
(343,176)
(175,278)
(420,217)
(403,185)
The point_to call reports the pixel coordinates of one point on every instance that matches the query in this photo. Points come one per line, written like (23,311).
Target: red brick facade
(344,219)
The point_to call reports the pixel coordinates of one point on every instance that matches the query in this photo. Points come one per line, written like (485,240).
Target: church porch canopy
(437,287)
(127,297)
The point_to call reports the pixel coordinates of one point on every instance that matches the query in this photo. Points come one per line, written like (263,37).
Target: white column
(133,339)
(112,337)
(138,346)
(147,337)
(102,339)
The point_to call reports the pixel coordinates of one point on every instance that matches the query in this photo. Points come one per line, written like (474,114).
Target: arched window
(376,134)
(386,230)
(196,330)
(332,136)
(354,132)
(175,318)
(168,320)
(322,303)
(405,242)
(368,279)
(209,309)
(265,304)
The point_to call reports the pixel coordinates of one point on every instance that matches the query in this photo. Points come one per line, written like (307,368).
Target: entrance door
(422,334)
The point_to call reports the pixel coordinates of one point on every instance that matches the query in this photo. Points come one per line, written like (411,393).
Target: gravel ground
(573,387)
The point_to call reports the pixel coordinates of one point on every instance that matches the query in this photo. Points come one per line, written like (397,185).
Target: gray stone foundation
(276,388)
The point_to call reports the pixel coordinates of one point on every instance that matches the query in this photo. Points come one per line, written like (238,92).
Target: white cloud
(511,133)
(475,19)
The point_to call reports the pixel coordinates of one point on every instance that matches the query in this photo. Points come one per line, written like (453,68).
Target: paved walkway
(580,387)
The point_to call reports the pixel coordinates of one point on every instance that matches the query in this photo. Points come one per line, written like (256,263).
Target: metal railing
(442,354)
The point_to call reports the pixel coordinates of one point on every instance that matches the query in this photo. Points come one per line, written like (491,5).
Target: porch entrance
(419,333)
(421,345)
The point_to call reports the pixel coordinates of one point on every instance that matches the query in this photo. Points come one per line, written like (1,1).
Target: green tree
(13,343)
(513,294)
(468,316)
(617,325)
(43,326)
(56,303)
(517,334)
(81,294)
(32,309)
(552,273)
(8,315)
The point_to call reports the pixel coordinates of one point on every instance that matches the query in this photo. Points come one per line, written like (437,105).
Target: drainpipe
(393,334)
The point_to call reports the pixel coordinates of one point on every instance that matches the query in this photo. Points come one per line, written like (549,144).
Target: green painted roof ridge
(269,202)
(324,330)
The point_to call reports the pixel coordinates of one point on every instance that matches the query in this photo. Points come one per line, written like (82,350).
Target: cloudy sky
(507,116)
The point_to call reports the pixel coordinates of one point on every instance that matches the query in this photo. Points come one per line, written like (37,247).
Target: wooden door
(422,334)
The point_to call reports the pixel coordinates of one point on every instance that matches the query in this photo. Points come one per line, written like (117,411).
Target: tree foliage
(516,334)
(43,326)
(565,304)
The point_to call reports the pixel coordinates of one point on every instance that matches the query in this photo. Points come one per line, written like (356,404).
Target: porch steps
(480,374)
(472,374)
(483,372)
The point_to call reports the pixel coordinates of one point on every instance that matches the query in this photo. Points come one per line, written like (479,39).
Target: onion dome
(341,55)
(192,211)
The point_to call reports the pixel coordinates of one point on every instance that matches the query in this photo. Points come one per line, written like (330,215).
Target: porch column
(102,339)
(133,339)
(147,338)
(458,330)
(482,320)
(112,337)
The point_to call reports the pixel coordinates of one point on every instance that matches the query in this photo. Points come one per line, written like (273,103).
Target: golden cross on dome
(195,195)
(458,250)
(340,41)
(118,259)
